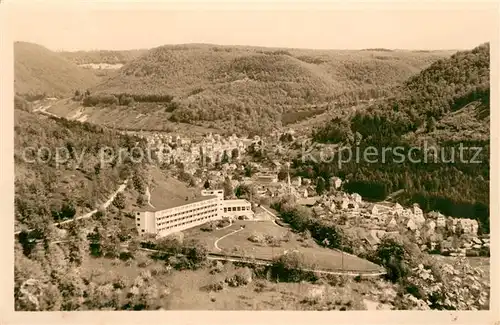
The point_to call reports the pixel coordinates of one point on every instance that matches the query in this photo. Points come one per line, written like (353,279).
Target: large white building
(208,207)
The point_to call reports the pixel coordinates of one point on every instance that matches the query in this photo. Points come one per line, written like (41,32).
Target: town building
(266,178)
(162,220)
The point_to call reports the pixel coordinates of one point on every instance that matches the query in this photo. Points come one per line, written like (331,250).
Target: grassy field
(239,244)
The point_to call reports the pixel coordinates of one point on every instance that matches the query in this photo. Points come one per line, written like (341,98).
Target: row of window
(170,220)
(229,209)
(186,222)
(186,212)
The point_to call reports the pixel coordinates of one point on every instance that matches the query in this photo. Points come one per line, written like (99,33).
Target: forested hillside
(446,106)
(50,188)
(254,88)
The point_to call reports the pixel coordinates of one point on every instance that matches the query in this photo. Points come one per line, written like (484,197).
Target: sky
(114,26)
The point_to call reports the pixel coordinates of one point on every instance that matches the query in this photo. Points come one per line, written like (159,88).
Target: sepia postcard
(197,162)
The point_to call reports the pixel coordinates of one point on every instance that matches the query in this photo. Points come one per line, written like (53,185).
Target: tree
(139,183)
(244,191)
(196,252)
(110,245)
(320,185)
(95,242)
(228,188)
(97,169)
(287,267)
(141,200)
(282,174)
(248,171)
(431,124)
(391,254)
(225,157)
(27,241)
(235,153)
(76,244)
(206,185)
(72,290)
(119,201)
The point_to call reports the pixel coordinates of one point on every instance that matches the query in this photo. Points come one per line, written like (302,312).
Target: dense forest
(415,117)
(251,89)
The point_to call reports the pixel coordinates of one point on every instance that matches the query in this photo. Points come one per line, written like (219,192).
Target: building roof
(307,201)
(236,201)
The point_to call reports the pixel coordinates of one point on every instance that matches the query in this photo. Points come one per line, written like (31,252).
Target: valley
(176,178)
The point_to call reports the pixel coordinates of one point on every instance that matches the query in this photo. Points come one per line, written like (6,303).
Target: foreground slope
(58,173)
(252,88)
(38,71)
(445,106)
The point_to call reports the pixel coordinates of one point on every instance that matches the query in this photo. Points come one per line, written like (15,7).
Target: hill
(438,111)
(39,71)
(251,88)
(57,167)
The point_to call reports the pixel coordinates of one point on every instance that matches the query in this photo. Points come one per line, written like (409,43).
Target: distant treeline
(123,99)
(31,97)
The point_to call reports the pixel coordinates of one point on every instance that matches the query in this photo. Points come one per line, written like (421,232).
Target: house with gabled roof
(391,222)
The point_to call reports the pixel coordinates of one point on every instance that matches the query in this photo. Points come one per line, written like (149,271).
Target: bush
(414,291)
(223,223)
(484,251)
(125,100)
(119,283)
(288,267)
(241,277)
(125,256)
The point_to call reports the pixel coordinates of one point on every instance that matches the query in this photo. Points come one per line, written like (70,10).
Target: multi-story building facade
(208,207)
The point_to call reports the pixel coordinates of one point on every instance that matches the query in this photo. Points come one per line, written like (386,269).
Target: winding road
(227,235)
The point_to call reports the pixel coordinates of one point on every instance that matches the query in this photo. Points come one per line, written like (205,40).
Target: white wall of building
(165,222)
(235,209)
(214,207)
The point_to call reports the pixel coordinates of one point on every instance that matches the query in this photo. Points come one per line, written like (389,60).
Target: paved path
(105,205)
(231,233)
(148,195)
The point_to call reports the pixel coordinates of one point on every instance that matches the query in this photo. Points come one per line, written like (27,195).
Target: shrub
(125,256)
(119,201)
(125,100)
(288,267)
